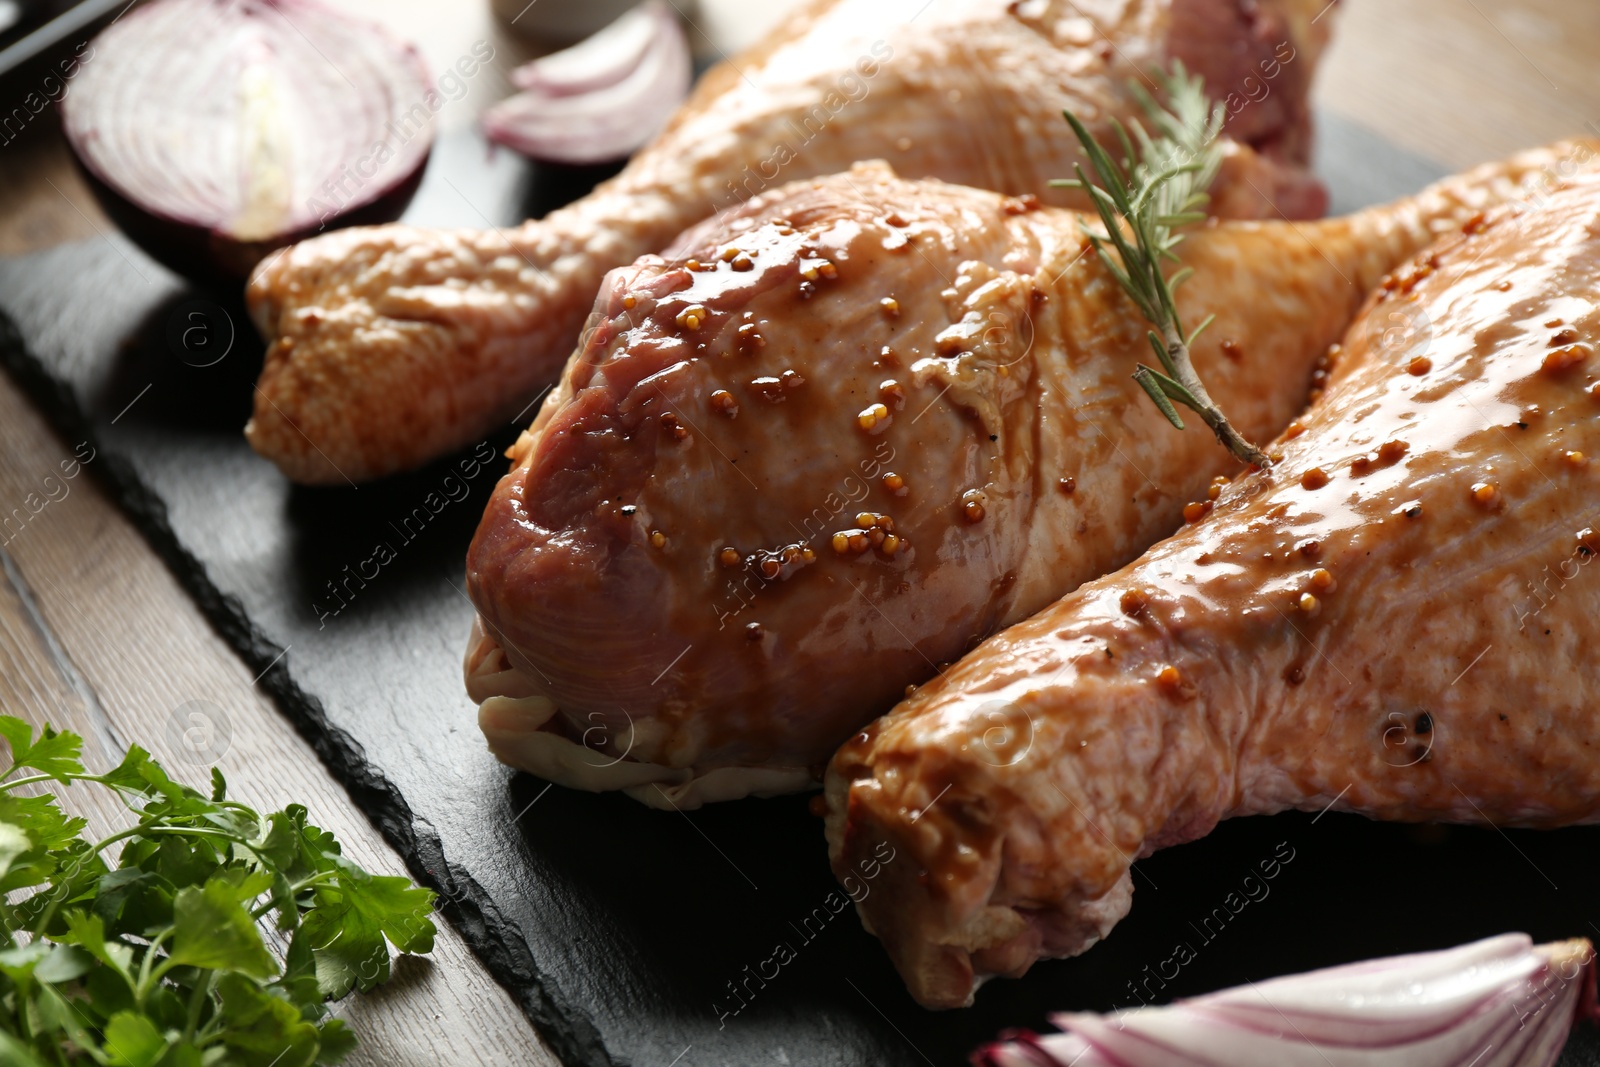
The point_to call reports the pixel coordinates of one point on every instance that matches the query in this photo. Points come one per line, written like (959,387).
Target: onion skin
(203,254)
(299,119)
(1500,1002)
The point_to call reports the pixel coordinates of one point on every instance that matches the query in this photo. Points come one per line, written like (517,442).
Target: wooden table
(94,631)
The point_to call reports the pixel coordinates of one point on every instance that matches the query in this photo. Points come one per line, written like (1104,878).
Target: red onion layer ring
(214,131)
(602,98)
(1500,1002)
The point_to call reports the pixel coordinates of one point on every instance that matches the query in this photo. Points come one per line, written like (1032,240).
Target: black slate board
(617,927)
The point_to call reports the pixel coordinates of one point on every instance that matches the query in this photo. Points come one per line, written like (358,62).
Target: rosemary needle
(1159,187)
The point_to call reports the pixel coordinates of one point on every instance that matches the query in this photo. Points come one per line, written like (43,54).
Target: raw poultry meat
(391,345)
(836,438)
(1394,620)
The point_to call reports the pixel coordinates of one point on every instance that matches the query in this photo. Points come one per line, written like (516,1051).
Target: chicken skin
(1343,629)
(390,345)
(836,438)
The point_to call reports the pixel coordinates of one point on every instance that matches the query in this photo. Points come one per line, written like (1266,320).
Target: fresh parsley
(152,947)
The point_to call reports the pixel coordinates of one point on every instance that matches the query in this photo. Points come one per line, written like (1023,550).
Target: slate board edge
(497,941)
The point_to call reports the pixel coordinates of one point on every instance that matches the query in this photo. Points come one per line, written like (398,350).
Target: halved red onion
(1500,1002)
(602,98)
(215,131)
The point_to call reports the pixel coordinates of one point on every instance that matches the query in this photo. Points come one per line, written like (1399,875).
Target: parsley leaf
(212,929)
(56,754)
(147,948)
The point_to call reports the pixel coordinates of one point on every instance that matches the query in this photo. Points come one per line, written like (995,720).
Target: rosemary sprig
(1159,187)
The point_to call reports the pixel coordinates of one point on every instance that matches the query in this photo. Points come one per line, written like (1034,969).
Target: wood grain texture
(96,634)
(46,201)
(1459,81)
(90,619)
(1464,81)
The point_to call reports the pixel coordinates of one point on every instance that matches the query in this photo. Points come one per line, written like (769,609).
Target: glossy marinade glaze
(1393,620)
(835,440)
(390,345)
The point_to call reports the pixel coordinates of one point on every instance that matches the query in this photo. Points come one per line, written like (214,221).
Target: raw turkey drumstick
(844,434)
(390,345)
(1395,620)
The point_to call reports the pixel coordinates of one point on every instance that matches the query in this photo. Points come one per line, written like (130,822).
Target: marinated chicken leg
(390,345)
(1344,629)
(866,423)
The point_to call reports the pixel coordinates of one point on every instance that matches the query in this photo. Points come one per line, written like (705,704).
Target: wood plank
(1459,81)
(39,683)
(1464,81)
(1456,80)
(95,633)
(46,201)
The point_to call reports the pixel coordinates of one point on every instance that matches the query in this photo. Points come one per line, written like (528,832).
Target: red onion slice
(597,61)
(214,131)
(602,98)
(1500,1002)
